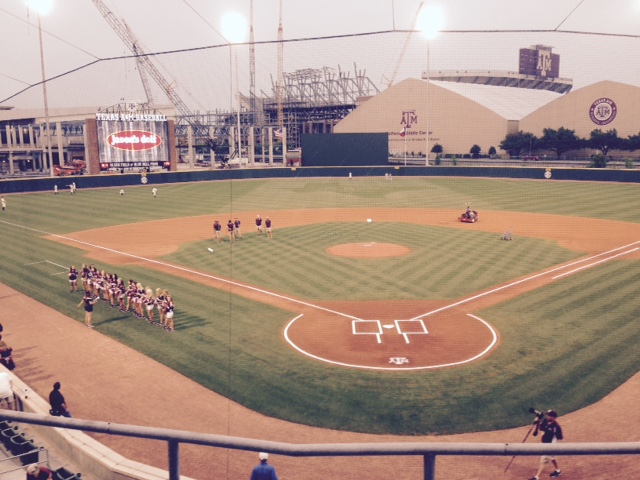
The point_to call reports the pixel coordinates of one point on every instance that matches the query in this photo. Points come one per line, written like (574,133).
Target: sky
(75,34)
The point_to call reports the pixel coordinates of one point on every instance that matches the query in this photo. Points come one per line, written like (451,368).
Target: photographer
(551,433)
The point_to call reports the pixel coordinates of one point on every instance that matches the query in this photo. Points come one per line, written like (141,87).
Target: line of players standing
(234,229)
(131,296)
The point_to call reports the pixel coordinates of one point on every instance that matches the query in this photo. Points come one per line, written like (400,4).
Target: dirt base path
(104,380)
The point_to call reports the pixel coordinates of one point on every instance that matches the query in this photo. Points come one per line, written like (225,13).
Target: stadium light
(43,7)
(234,30)
(430,21)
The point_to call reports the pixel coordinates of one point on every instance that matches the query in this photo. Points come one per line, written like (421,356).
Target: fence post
(429,466)
(174,460)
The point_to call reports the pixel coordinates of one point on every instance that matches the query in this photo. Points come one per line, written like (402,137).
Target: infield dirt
(104,380)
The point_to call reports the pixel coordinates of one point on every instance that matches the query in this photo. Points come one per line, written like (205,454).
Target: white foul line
(187,270)
(344,314)
(596,263)
(517,282)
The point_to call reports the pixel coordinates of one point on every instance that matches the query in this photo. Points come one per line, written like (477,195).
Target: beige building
(603,105)
(453,120)
(457,121)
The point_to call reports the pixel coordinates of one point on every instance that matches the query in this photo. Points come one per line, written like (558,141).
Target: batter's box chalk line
(377,328)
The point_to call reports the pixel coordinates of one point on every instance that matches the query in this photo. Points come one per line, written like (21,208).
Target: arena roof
(510,103)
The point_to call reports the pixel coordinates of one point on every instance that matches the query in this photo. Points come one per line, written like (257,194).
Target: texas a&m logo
(544,62)
(408,118)
(603,111)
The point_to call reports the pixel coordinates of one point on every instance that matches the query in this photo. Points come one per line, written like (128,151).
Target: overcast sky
(75,33)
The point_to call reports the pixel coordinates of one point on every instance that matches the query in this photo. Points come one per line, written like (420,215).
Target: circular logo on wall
(603,111)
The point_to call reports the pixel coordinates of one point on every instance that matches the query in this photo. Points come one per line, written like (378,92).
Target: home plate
(388,327)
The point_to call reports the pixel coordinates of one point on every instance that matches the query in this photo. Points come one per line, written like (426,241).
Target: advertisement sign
(132,140)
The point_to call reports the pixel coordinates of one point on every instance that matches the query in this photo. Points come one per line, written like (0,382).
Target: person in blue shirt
(263,471)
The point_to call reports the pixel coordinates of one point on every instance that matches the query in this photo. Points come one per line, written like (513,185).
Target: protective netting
(205,78)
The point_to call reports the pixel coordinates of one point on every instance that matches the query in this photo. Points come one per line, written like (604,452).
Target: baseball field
(372,309)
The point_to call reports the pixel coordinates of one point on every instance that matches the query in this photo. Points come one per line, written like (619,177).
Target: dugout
(345,149)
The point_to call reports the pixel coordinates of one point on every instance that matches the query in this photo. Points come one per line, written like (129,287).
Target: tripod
(535,424)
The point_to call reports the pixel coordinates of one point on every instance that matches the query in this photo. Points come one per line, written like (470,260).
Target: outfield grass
(564,346)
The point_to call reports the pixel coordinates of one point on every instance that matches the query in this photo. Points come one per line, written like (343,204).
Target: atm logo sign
(134,140)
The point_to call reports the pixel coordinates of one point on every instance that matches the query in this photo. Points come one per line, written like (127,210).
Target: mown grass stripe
(578,331)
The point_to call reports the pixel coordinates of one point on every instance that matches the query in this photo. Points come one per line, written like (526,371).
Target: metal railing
(428,450)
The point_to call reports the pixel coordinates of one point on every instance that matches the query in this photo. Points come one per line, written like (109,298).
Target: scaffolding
(313,101)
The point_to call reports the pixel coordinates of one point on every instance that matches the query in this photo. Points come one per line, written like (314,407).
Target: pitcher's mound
(368,250)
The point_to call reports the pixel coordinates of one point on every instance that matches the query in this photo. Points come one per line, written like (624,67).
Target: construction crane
(252,63)
(142,57)
(138,50)
(407,38)
(280,86)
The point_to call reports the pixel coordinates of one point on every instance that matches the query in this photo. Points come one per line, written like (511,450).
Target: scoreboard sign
(538,61)
(132,140)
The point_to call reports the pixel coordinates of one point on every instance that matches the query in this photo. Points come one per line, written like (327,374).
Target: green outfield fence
(42,184)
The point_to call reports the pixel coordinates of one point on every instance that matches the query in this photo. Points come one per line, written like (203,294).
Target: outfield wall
(42,184)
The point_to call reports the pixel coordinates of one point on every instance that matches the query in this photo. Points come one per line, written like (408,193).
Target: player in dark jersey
(231,231)
(217,228)
(259,224)
(237,223)
(267,224)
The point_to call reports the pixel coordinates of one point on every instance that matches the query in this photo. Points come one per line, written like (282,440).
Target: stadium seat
(64,474)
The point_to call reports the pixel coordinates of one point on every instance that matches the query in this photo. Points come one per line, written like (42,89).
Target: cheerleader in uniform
(73,279)
(168,312)
(150,304)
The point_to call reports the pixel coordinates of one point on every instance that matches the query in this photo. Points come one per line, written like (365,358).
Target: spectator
(36,472)
(57,402)
(5,355)
(263,471)
(6,391)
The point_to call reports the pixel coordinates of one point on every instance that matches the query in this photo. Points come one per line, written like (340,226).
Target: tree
(437,148)
(632,142)
(559,141)
(492,151)
(515,143)
(598,161)
(475,151)
(605,141)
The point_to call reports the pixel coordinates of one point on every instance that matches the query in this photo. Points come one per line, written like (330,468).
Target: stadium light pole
(234,31)
(430,21)
(43,7)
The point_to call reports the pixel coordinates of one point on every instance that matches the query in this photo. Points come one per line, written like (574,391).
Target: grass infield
(565,345)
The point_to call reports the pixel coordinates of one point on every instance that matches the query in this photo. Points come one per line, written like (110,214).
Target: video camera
(539,415)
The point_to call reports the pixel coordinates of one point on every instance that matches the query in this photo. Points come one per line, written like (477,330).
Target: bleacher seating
(27,452)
